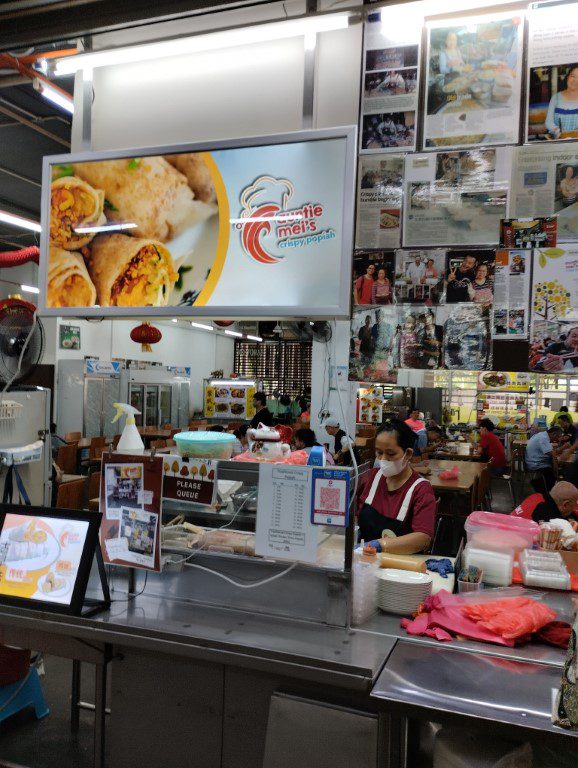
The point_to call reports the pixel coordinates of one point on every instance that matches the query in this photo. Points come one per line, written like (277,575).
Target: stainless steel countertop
(539,653)
(327,655)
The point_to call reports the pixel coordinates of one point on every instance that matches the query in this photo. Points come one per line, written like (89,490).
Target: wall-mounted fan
(17,334)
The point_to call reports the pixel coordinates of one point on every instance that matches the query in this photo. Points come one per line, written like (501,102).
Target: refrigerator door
(151,405)
(137,401)
(111,394)
(93,388)
(164,404)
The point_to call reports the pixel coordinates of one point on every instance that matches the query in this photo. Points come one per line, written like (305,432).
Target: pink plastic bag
(450,474)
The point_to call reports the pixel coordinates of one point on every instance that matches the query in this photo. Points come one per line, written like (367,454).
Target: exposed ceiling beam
(34,126)
(19,176)
(29,22)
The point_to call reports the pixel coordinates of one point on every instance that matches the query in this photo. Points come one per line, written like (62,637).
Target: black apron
(372,524)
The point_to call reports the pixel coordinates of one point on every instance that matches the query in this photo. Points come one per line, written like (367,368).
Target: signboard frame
(339,310)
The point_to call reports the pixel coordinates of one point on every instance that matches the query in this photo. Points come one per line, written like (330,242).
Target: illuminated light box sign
(258,227)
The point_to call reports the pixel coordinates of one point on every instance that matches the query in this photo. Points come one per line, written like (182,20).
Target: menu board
(201,232)
(552,72)
(554,333)
(456,198)
(230,401)
(131,503)
(390,89)
(379,200)
(370,404)
(508,381)
(473,81)
(545,183)
(40,557)
(511,294)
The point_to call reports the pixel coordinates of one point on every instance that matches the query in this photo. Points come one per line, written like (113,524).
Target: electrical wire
(238,584)
(133,596)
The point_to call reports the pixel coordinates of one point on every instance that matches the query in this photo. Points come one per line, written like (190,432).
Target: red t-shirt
(421,514)
(527,507)
(493,449)
(364,287)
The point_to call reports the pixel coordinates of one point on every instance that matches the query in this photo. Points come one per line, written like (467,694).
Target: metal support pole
(85,81)
(99,713)
(75,696)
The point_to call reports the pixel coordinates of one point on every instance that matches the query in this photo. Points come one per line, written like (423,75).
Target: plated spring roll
(193,166)
(74,203)
(131,271)
(147,192)
(69,284)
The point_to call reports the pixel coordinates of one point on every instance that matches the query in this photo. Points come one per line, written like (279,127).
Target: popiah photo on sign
(134,232)
(470,277)
(374,345)
(419,276)
(373,277)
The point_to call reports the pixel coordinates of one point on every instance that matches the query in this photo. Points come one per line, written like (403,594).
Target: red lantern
(146,334)
(223,323)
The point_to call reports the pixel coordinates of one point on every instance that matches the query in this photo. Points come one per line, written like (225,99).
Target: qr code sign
(329,499)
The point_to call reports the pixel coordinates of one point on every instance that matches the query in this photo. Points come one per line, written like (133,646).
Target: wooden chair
(66,459)
(175,432)
(167,426)
(170,443)
(94,485)
(97,446)
(150,428)
(115,441)
(72,437)
(158,443)
(70,495)
(483,490)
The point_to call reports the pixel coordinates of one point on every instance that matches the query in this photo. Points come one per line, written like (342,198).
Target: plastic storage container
(491,530)
(205,445)
(365,571)
(544,569)
(496,566)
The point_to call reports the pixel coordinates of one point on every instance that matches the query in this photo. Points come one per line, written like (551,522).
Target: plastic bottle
(365,570)
(130,439)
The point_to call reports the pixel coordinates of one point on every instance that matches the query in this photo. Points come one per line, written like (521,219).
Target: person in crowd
(431,272)
(490,448)
(414,420)
(366,340)
(569,430)
(216,428)
(562,501)
(539,457)
(396,507)
(344,444)
(305,410)
(562,114)
(364,286)
(241,443)
(450,57)
(561,355)
(562,412)
(305,439)
(415,272)
(460,280)
(481,289)
(262,414)
(381,290)
(284,409)
(429,440)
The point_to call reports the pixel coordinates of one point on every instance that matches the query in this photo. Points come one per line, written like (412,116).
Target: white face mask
(391,468)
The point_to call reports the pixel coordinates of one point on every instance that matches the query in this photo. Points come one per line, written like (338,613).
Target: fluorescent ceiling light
(202,326)
(19,221)
(234,333)
(29,289)
(107,227)
(211,42)
(254,338)
(174,320)
(55,96)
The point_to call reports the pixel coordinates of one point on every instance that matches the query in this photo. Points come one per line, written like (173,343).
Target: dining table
(469,472)
(84,442)
(457,451)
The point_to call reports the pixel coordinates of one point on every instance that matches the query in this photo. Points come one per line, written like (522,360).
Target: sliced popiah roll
(69,284)
(146,191)
(131,271)
(193,166)
(74,203)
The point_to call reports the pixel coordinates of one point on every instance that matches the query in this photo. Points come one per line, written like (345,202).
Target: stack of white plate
(401,592)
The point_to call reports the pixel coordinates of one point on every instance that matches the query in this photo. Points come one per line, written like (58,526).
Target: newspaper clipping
(379,201)
(545,183)
(457,197)
(473,81)
(511,294)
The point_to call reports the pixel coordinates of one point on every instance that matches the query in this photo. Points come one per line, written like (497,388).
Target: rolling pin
(403,562)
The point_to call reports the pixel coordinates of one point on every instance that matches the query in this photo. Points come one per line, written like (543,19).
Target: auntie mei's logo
(269,226)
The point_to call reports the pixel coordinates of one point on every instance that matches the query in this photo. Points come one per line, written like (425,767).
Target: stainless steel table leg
(99,714)
(75,697)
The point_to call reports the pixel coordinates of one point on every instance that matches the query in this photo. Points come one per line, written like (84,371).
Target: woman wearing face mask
(394,498)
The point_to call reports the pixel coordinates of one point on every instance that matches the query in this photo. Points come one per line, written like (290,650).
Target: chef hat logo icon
(262,202)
